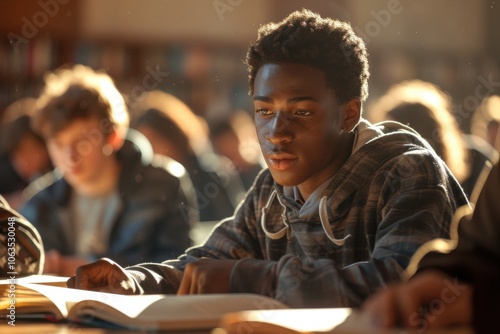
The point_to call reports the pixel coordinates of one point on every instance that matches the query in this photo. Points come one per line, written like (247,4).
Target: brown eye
(303,113)
(263,111)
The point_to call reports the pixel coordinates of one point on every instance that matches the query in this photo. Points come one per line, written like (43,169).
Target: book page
(150,312)
(19,300)
(65,298)
(38,279)
(170,311)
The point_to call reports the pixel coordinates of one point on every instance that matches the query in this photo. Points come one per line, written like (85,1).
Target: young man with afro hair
(343,204)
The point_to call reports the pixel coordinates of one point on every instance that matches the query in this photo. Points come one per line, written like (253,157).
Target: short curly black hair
(324,43)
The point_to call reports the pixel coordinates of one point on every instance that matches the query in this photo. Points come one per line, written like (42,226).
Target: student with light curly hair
(109,194)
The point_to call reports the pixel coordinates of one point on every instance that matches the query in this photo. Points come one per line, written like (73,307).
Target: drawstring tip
(323,217)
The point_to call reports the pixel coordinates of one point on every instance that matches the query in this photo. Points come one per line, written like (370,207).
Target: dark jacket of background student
(476,258)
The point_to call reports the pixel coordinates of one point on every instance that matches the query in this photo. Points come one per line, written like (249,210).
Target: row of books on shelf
(31,58)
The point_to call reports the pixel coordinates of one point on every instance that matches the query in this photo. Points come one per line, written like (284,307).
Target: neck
(307,188)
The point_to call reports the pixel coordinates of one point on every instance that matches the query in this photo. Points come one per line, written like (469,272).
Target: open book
(137,312)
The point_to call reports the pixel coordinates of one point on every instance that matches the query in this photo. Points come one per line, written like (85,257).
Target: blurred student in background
(235,138)
(23,154)
(109,195)
(426,108)
(175,131)
(485,122)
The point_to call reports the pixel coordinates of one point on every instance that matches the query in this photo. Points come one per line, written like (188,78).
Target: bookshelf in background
(209,79)
(22,68)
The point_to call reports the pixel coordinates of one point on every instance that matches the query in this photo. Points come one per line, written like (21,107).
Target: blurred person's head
(235,138)
(308,76)
(427,109)
(171,126)
(24,148)
(486,121)
(83,119)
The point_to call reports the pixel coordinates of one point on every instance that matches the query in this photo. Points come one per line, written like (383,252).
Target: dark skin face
(304,136)
(302,128)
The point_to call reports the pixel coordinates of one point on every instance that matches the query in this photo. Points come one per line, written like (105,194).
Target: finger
(185,286)
(409,308)
(90,276)
(70,283)
(417,296)
(391,317)
(382,309)
(81,279)
(451,310)
(194,287)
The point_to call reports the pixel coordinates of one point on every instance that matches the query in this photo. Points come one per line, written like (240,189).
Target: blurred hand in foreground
(431,299)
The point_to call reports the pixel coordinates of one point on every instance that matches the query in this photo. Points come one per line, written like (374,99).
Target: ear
(115,140)
(351,113)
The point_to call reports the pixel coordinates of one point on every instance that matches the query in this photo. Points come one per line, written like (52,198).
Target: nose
(279,129)
(70,157)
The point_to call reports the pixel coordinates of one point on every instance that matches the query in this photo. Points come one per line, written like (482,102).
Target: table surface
(69,328)
(66,328)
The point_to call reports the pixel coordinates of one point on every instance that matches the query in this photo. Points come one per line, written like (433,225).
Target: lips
(280,161)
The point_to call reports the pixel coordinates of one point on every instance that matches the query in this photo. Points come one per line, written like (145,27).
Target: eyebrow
(292,100)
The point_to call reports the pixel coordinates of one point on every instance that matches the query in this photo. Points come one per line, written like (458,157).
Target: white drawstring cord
(323,216)
(280,233)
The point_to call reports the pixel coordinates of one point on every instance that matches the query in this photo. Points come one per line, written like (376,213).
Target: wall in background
(196,47)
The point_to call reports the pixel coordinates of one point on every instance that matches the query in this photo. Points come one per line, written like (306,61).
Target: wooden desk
(65,328)
(46,328)
(31,327)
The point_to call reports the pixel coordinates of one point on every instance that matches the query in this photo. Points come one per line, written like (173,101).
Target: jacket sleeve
(232,238)
(476,257)
(44,214)
(413,210)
